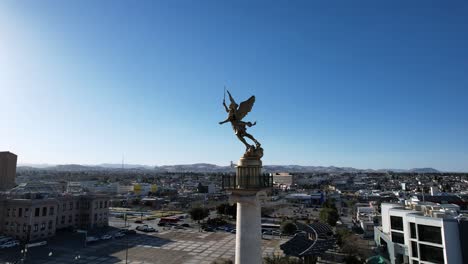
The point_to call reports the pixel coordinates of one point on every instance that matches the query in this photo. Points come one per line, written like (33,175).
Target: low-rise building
(33,217)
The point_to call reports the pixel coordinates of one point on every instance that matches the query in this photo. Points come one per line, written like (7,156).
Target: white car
(119,234)
(146,228)
(106,237)
(10,244)
(91,239)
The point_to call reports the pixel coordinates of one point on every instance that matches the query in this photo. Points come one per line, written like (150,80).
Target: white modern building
(422,232)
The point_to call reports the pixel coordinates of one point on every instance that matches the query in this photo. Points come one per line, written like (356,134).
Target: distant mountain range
(206,167)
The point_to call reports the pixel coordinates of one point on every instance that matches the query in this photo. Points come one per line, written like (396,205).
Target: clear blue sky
(368,84)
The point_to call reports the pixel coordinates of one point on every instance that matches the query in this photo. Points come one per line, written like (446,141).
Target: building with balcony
(422,232)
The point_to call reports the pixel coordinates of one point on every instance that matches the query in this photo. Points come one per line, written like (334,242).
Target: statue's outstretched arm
(225,121)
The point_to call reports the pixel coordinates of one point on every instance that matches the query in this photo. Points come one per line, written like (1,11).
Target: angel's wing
(245,107)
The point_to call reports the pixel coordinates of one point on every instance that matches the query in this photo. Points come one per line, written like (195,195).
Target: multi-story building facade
(7,170)
(283,180)
(35,218)
(422,232)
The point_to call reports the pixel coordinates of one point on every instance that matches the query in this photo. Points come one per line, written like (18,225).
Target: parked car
(178,227)
(129,232)
(145,228)
(119,234)
(106,237)
(276,233)
(9,244)
(185,225)
(233,231)
(161,224)
(208,229)
(138,222)
(91,239)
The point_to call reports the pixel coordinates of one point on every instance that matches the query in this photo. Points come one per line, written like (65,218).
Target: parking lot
(166,246)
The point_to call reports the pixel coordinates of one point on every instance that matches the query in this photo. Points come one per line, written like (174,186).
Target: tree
(199,213)
(347,241)
(226,209)
(330,203)
(288,228)
(329,216)
(267,211)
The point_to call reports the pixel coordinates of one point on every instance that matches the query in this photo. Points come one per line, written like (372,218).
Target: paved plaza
(166,247)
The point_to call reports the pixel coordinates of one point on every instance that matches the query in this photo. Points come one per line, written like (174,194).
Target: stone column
(248,230)
(248,225)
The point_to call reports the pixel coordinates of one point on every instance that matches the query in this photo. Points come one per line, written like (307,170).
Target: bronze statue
(235,116)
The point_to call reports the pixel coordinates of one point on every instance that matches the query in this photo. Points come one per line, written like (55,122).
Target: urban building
(422,232)
(283,180)
(32,216)
(7,170)
(365,218)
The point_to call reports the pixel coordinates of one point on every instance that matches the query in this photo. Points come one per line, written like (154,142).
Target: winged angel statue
(235,115)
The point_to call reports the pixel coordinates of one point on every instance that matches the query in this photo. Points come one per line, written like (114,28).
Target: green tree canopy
(198,213)
(227,209)
(329,216)
(288,228)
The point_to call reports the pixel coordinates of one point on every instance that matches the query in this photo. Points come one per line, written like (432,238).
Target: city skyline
(381,85)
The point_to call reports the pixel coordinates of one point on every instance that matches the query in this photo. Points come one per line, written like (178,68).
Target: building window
(20,212)
(77,218)
(18,226)
(14,212)
(71,206)
(44,211)
(64,207)
(8,212)
(398,238)
(429,234)
(50,224)
(414,249)
(413,230)
(36,227)
(51,210)
(37,211)
(100,204)
(105,204)
(396,222)
(95,205)
(63,219)
(43,226)
(26,212)
(24,227)
(70,218)
(432,254)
